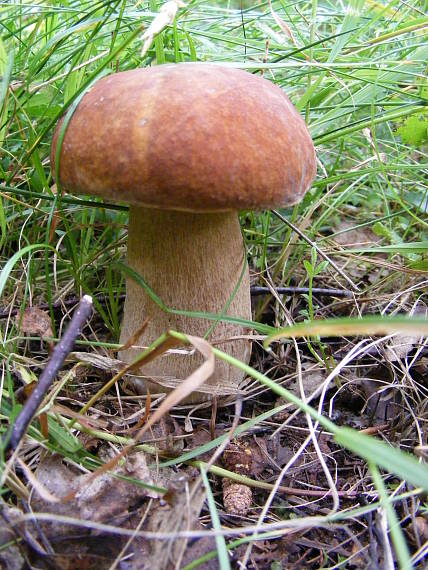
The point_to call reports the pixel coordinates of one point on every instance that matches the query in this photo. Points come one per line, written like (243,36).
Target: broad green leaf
(414,130)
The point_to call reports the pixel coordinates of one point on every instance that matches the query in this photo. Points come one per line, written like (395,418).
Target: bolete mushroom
(188,146)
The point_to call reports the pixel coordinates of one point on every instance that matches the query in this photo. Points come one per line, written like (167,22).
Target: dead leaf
(421,527)
(166,435)
(400,346)
(268,453)
(352,236)
(97,500)
(11,557)
(312,378)
(200,437)
(383,402)
(109,499)
(183,514)
(34,321)
(41,490)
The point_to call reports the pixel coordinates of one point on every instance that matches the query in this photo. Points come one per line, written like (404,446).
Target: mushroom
(188,146)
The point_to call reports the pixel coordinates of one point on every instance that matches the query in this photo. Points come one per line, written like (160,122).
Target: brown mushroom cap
(192,137)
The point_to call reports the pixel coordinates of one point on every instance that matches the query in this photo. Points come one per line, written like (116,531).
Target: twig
(62,349)
(255,292)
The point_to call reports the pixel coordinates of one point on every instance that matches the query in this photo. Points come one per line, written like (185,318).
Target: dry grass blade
(284,27)
(134,338)
(188,386)
(191,384)
(144,358)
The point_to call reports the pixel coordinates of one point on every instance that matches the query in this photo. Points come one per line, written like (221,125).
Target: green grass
(357,73)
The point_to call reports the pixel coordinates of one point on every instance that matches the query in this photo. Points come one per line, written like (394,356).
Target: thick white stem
(193,262)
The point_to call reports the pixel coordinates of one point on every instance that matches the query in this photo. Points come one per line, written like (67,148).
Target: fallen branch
(60,352)
(255,292)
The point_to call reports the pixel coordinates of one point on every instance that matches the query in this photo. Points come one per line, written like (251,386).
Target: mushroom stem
(192,262)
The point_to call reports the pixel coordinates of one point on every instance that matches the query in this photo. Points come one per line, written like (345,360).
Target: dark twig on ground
(60,352)
(255,292)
